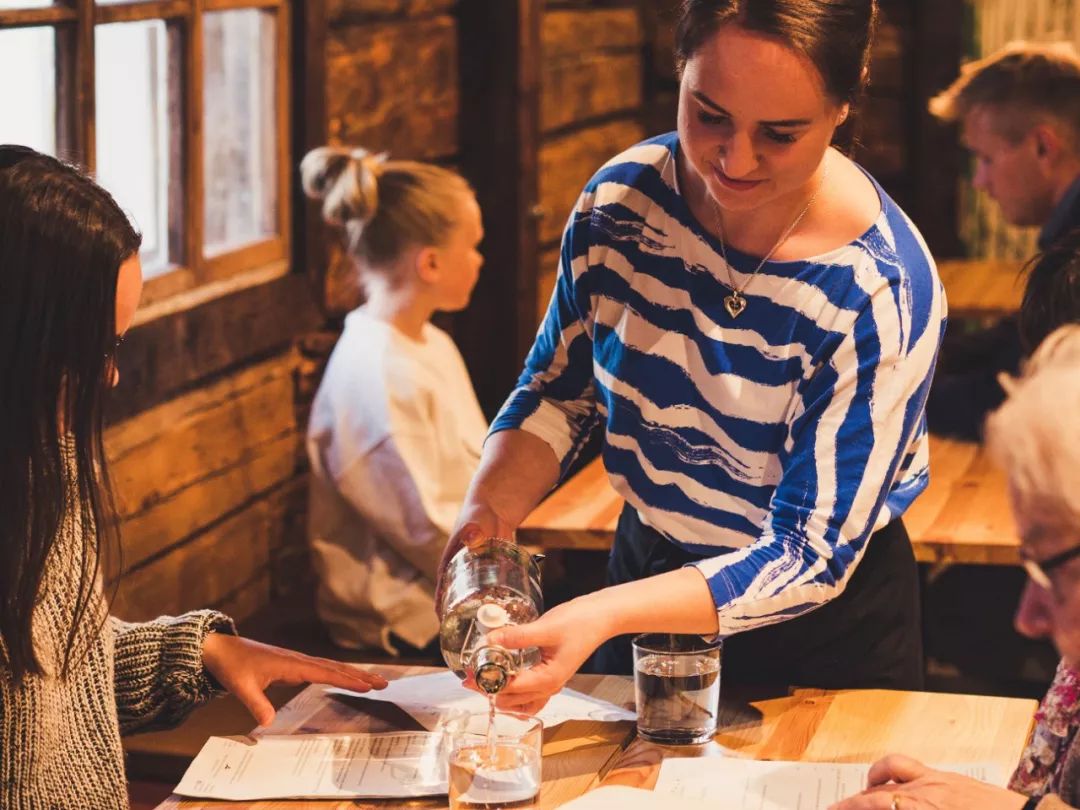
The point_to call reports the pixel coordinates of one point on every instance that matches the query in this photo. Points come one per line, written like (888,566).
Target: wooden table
(962,517)
(809,725)
(812,725)
(981,288)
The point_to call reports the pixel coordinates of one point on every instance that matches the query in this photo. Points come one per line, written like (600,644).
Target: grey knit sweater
(60,736)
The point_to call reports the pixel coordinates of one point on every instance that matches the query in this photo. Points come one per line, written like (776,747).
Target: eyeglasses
(1039,570)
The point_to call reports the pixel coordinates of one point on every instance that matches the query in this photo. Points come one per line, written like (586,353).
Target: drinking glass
(495,761)
(676,687)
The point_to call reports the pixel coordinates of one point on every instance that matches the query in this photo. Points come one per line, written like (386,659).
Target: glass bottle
(492,585)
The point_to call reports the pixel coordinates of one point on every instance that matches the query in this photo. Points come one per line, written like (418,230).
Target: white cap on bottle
(491,617)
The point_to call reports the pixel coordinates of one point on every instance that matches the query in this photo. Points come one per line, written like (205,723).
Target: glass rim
(702,644)
(460,725)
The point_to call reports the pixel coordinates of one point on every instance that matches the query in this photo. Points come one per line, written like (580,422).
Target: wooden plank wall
(205,451)
(590,109)
(206,436)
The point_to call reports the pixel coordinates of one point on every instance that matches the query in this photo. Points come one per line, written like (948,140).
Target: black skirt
(869,636)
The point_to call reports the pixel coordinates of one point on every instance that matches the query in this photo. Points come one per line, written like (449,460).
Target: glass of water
(676,687)
(495,761)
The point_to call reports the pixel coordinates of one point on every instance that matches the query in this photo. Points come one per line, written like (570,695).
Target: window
(178,107)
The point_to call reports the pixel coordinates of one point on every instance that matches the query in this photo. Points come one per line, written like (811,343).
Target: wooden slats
(182,466)
(197,483)
(164,356)
(592,65)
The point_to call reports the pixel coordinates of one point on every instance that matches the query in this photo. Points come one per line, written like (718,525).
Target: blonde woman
(395,430)
(1035,436)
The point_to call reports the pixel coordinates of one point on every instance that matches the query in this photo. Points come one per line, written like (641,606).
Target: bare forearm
(674,602)
(516,470)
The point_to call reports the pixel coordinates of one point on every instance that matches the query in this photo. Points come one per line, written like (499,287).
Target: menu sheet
(747,784)
(317,766)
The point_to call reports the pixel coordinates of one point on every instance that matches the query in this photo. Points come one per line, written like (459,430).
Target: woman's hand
(566,635)
(247,667)
(475,525)
(906,784)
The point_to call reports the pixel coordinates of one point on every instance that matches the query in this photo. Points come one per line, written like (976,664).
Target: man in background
(1019,112)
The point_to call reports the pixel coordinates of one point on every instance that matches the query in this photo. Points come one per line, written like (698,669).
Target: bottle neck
(492,669)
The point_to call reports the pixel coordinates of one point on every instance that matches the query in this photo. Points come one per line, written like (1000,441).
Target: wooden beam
(239,5)
(30,17)
(138,12)
(308,58)
(194,132)
(499,136)
(83,84)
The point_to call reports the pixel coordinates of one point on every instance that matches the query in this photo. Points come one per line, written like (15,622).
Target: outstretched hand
(246,668)
(902,783)
(566,635)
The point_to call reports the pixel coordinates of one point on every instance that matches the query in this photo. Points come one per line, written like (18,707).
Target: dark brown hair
(1052,293)
(835,35)
(62,241)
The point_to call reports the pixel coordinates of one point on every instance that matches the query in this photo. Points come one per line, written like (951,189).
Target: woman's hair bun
(345,180)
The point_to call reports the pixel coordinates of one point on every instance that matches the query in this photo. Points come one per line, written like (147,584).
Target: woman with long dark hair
(72,678)
(753,323)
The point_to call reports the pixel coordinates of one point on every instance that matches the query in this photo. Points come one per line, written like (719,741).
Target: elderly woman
(1035,435)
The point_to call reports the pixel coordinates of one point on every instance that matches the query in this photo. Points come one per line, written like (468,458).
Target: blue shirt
(775,443)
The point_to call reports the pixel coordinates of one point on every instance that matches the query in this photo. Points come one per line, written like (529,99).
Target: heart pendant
(734,304)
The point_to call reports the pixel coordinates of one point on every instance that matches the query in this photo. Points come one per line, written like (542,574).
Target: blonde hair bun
(345,180)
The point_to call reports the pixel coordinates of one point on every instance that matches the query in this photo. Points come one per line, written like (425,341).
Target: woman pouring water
(754,324)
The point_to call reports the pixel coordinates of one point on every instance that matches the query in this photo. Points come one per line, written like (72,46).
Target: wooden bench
(962,517)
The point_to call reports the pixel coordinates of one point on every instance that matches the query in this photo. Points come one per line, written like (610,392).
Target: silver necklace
(735,303)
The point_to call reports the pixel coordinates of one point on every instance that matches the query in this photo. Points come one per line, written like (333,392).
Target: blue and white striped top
(774,444)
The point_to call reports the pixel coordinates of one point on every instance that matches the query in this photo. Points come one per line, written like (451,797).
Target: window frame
(74,23)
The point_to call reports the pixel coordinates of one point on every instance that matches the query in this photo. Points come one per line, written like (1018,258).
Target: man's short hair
(1033,82)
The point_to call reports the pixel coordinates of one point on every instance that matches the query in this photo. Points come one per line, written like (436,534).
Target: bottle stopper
(491,617)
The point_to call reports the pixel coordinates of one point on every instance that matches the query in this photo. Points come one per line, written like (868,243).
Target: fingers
(472,535)
(530,707)
(520,636)
(870,800)
(256,703)
(525,702)
(333,673)
(895,768)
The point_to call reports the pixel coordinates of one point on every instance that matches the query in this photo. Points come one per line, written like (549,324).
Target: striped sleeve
(858,415)
(555,395)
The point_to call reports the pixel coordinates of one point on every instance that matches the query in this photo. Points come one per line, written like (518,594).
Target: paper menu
(433,699)
(619,797)
(747,784)
(318,766)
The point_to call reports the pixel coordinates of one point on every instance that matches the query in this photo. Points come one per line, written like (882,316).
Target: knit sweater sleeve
(160,676)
